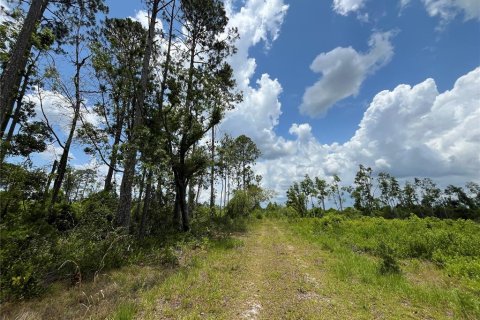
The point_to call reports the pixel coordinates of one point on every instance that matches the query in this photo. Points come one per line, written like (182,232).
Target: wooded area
(145,102)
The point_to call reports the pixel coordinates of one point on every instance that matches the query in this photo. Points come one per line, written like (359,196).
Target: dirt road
(269,275)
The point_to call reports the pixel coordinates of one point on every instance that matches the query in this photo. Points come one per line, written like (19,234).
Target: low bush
(41,245)
(328,223)
(27,254)
(389,264)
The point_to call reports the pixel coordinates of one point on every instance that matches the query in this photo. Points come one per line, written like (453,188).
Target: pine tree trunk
(181,204)
(49,180)
(221,194)
(228,189)
(159,192)
(125,199)
(192,197)
(62,166)
(191,191)
(225,191)
(140,194)
(184,205)
(16,114)
(244,169)
(176,208)
(11,76)
(212,175)
(146,205)
(199,188)
(113,157)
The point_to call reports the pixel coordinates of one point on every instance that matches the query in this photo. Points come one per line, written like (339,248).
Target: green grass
(438,261)
(328,268)
(118,293)
(125,312)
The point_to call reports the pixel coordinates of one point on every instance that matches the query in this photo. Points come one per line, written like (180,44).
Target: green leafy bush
(169,257)
(389,264)
(25,261)
(329,222)
(94,243)
(40,245)
(245,201)
(26,254)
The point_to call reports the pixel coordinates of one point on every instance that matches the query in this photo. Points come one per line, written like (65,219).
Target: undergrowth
(432,260)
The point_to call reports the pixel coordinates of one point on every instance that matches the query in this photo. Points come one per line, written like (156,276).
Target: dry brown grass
(97,299)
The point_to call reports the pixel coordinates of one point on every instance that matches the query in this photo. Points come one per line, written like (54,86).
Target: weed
(229,243)
(125,312)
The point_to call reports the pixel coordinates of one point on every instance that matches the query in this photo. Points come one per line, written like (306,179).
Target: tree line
(155,93)
(383,195)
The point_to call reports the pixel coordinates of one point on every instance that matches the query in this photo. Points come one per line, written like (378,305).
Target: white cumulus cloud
(345,7)
(258,22)
(446,10)
(302,131)
(404,3)
(143,17)
(410,131)
(419,131)
(58,110)
(343,72)
(449,9)
(257,116)
(52,153)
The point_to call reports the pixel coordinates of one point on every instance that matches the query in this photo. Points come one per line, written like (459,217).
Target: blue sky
(425,47)
(312,27)
(425,54)
(328,85)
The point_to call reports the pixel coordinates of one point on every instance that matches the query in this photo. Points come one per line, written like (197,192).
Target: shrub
(389,264)
(95,244)
(27,253)
(239,205)
(24,275)
(169,257)
(351,213)
(62,216)
(328,223)
(93,252)
(288,212)
(316,212)
(467,267)
(245,201)
(451,244)
(418,246)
